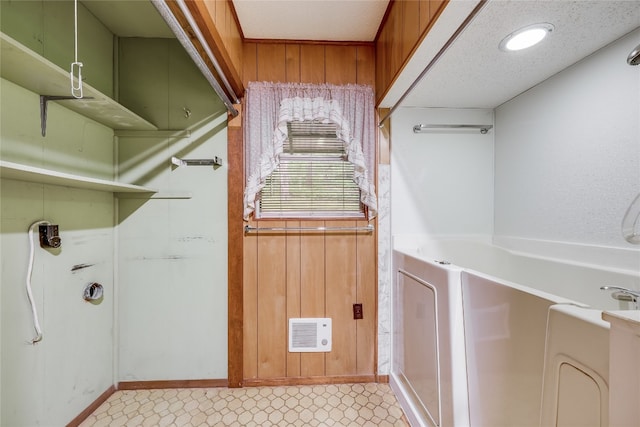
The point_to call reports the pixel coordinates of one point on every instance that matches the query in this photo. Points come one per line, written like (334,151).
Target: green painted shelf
(26,68)
(9,170)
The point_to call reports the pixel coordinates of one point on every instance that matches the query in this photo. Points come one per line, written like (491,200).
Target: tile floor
(319,405)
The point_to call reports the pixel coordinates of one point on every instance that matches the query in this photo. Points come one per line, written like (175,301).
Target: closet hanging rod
(216,161)
(250,229)
(196,29)
(422,128)
(188,45)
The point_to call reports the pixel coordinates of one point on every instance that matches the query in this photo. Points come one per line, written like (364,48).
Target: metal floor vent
(309,335)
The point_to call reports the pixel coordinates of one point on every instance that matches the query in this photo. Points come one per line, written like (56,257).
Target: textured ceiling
(474,73)
(334,20)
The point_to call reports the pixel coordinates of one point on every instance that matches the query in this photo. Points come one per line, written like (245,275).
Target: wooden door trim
(235,313)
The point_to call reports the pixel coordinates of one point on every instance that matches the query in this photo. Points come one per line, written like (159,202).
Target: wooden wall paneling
(272,306)
(435,8)
(382,65)
(366,65)
(293,278)
(312,291)
(406,24)
(341,286)
(387,52)
(425,15)
(250,63)
(219,11)
(312,63)
(233,36)
(250,304)
(394,44)
(293,290)
(410,26)
(292,53)
(340,64)
(211,20)
(367,295)
(384,138)
(271,62)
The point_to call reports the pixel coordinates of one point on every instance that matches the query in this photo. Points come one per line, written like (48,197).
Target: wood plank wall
(309,63)
(306,275)
(226,24)
(297,274)
(407,22)
(294,274)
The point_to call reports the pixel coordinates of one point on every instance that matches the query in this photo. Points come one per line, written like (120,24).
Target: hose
(34,311)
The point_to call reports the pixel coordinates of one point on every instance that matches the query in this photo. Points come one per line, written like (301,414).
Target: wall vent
(309,335)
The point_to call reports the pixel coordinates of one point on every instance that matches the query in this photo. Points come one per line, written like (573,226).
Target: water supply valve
(93,292)
(49,237)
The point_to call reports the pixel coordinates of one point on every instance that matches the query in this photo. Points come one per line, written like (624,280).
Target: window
(273,109)
(314,178)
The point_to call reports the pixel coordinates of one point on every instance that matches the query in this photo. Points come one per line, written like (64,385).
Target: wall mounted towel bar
(426,128)
(216,161)
(249,229)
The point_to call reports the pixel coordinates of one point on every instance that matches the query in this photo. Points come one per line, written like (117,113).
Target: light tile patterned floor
(319,405)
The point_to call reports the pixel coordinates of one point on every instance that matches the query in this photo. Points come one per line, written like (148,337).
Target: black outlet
(357,311)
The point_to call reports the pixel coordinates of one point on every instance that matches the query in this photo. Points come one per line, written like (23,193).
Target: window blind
(314,178)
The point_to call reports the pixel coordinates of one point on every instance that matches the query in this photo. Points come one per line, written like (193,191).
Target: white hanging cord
(34,311)
(76,67)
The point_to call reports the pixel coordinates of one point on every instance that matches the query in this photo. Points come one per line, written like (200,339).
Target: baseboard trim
(293,381)
(149,385)
(383,379)
(92,407)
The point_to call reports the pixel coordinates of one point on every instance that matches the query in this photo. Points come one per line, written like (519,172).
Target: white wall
(441,182)
(568,153)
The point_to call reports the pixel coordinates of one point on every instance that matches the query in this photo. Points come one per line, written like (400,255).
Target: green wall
(172,253)
(49,382)
(162,261)
(47,28)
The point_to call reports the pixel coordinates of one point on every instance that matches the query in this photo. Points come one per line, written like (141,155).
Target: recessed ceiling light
(525,37)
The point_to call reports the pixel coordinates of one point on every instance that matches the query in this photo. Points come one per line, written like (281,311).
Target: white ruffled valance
(270,106)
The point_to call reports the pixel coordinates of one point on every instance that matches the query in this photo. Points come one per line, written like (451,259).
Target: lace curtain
(269,106)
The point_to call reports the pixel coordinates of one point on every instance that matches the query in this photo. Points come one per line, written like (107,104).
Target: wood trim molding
(234,12)
(311,42)
(92,407)
(235,224)
(150,385)
(383,379)
(347,379)
(384,137)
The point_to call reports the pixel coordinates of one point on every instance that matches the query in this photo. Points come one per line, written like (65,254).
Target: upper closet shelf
(26,68)
(20,172)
